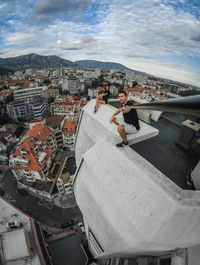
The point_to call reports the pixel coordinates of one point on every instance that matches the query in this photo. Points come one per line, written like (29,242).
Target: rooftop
(13,251)
(14,240)
(68,251)
(33,150)
(163,150)
(54,121)
(70,124)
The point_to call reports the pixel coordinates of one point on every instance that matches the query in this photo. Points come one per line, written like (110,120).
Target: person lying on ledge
(102,99)
(129,123)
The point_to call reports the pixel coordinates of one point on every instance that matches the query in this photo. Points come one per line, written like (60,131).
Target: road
(29,204)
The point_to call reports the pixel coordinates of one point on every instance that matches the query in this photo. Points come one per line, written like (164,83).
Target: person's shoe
(122,144)
(95,109)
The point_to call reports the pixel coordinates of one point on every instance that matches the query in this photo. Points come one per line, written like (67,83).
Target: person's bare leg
(115,121)
(99,101)
(122,133)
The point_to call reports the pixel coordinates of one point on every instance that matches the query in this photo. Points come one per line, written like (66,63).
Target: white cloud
(129,32)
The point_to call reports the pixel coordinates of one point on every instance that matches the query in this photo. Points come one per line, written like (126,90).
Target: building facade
(33,158)
(28,93)
(50,93)
(35,108)
(133,206)
(68,127)
(71,84)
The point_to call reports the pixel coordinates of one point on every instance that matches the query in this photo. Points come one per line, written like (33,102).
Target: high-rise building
(71,84)
(137,201)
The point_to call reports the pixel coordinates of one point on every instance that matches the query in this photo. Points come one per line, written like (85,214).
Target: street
(31,205)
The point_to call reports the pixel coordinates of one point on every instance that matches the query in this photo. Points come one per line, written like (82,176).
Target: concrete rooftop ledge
(103,116)
(131,207)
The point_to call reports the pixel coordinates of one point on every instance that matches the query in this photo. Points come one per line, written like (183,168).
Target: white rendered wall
(131,208)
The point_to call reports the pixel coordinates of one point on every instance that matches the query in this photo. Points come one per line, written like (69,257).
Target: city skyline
(159,37)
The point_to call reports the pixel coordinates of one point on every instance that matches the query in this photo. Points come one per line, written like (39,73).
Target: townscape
(40,111)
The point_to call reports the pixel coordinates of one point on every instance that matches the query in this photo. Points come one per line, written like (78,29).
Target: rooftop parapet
(95,126)
(130,206)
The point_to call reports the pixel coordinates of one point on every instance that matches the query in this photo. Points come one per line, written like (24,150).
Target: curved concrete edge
(134,204)
(95,126)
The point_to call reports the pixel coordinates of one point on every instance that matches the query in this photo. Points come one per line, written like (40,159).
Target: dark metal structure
(185,105)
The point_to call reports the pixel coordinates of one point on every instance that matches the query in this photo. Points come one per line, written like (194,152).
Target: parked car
(82,227)
(22,192)
(67,223)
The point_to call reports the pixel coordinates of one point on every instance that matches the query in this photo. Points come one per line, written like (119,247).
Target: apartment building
(33,157)
(50,93)
(55,123)
(63,107)
(35,108)
(6,138)
(71,83)
(68,132)
(92,93)
(64,182)
(28,92)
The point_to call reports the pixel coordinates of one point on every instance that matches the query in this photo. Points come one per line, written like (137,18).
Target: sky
(159,37)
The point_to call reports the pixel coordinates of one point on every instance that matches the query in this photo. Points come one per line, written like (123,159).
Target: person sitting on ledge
(129,123)
(102,99)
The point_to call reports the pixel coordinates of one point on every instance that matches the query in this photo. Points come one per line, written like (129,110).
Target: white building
(131,207)
(19,238)
(71,84)
(68,132)
(28,93)
(92,92)
(35,108)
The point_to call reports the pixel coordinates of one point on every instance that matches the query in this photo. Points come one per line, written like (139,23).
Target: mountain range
(35,61)
(102,65)
(4,71)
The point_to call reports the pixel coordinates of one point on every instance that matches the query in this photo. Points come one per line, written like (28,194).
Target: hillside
(104,65)
(34,61)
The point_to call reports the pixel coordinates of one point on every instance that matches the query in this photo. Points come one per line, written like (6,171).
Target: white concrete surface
(131,208)
(96,126)
(196,176)
(14,245)
(194,255)
(9,214)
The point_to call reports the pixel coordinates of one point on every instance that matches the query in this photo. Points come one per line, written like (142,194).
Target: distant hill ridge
(34,61)
(104,65)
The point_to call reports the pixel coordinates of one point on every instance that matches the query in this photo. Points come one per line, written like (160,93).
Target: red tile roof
(50,90)
(53,120)
(70,124)
(41,132)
